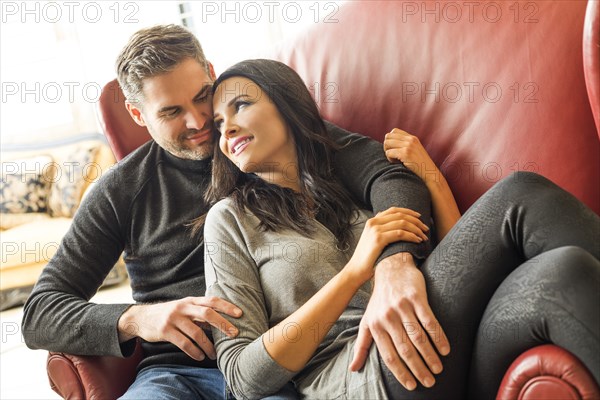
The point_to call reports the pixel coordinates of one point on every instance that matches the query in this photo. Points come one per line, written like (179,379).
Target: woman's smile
(254,134)
(238,145)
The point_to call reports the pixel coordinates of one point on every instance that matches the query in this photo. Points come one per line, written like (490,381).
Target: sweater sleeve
(58,315)
(370,178)
(232,274)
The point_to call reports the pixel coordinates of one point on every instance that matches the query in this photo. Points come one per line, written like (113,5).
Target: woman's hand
(402,146)
(386,227)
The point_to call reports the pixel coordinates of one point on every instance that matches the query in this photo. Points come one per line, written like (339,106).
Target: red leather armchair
(91,377)
(489,88)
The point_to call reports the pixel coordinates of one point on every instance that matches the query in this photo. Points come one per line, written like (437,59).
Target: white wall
(237,30)
(55,55)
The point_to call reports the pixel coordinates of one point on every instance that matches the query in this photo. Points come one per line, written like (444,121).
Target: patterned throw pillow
(72,177)
(25,185)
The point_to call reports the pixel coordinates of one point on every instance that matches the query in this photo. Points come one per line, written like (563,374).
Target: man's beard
(179,147)
(199,152)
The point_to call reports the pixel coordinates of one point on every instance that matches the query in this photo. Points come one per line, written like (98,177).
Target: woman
(279,246)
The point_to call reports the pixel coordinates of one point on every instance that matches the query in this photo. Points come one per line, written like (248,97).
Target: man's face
(177,110)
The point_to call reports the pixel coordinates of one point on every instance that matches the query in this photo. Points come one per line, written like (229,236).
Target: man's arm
(398,307)
(58,315)
(370,178)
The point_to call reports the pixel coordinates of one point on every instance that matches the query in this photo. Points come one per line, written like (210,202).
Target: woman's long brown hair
(321,194)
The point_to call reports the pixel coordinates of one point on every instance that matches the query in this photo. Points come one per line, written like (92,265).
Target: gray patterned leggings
(519,269)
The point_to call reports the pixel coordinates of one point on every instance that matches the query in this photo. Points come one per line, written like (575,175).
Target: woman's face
(254,135)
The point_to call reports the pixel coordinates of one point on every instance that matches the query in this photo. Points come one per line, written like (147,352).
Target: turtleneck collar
(190,165)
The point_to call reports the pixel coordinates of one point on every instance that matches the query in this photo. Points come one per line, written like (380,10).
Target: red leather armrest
(548,372)
(91,377)
(591,58)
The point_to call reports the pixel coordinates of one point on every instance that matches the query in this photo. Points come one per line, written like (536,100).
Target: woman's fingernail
(436,368)
(411,385)
(429,381)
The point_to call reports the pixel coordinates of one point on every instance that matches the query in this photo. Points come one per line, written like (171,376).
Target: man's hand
(399,319)
(179,322)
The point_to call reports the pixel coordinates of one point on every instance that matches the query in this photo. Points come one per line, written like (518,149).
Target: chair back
(122,133)
(489,88)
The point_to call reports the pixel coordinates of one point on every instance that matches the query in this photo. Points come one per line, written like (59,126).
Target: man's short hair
(154,51)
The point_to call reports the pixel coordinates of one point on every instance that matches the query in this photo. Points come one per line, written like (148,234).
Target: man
(143,206)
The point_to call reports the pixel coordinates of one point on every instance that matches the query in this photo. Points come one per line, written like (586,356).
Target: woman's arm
(402,146)
(293,341)
(326,306)
(445,210)
(260,359)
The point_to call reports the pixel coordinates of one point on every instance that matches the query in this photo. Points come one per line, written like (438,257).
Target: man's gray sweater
(141,208)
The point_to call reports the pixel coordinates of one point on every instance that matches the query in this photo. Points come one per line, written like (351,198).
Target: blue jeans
(181,382)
